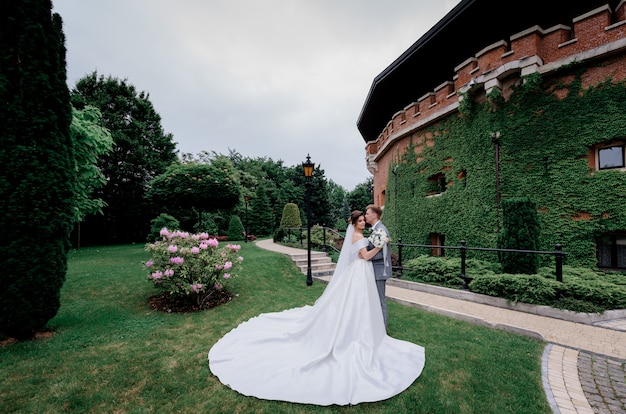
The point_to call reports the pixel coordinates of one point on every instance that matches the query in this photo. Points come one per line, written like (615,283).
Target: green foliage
(235,229)
(291,216)
(260,219)
(582,290)
(338,199)
(603,294)
(444,272)
(191,267)
(208,224)
(531,289)
(544,145)
(160,222)
(270,186)
(141,151)
(360,197)
(90,141)
(320,237)
(520,231)
(205,187)
(37,166)
(341,224)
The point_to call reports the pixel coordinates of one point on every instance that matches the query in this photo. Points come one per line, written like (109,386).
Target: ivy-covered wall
(547,128)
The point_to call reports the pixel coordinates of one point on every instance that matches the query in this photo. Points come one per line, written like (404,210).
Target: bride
(333,352)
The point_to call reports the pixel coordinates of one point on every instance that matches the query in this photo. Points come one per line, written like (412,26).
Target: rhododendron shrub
(191,267)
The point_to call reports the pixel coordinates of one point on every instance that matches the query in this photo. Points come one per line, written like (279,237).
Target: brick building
(481,50)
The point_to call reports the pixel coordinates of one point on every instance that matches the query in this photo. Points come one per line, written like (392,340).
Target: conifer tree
(36,166)
(261,218)
(521,230)
(235,229)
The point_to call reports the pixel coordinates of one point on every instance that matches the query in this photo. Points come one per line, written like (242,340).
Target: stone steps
(321,263)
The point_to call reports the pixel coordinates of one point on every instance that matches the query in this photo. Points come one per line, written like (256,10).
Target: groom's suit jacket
(381,272)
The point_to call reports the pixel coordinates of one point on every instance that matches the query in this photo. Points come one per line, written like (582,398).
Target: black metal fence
(327,232)
(558,252)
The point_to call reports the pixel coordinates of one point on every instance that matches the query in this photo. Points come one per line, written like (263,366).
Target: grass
(112,354)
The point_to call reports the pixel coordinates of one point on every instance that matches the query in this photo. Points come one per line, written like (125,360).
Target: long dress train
(334,352)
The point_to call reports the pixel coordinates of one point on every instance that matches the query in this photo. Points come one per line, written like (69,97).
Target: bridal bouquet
(378,238)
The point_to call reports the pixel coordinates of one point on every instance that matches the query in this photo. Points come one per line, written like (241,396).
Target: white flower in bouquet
(378,238)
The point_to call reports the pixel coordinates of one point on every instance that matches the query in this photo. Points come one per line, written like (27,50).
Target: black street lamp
(308,167)
(246,198)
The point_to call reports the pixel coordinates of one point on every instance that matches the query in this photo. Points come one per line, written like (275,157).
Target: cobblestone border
(604,382)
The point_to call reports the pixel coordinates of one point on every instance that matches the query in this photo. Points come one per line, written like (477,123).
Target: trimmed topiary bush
(235,229)
(291,216)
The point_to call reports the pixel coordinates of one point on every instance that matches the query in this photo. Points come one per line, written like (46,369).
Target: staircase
(321,264)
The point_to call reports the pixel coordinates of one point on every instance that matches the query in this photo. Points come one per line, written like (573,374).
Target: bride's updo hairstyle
(354,217)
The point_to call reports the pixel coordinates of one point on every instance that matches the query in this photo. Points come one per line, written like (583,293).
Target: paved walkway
(583,366)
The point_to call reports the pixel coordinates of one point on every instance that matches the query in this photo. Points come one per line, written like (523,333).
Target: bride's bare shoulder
(356,237)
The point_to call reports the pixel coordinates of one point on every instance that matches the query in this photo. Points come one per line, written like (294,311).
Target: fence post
(558,256)
(399,273)
(324,238)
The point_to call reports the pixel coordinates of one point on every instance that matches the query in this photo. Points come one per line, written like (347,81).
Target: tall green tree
(361,196)
(36,166)
(338,200)
(142,151)
(192,186)
(90,142)
(261,217)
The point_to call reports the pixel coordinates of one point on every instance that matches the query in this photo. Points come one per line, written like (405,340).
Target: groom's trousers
(380,285)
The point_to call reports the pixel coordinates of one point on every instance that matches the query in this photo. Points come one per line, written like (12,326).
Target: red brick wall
(500,64)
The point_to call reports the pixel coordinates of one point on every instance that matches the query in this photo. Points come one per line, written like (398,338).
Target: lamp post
(246,198)
(308,167)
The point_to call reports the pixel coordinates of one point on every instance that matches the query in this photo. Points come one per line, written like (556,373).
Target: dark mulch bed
(164,303)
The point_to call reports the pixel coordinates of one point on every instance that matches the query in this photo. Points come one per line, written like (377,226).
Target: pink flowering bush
(191,267)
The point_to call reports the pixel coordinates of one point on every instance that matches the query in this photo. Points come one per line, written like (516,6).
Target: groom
(382,260)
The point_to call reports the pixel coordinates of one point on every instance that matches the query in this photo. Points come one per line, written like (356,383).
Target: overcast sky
(275,78)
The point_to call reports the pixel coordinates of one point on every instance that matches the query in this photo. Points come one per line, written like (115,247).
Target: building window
(611,251)
(437,184)
(437,239)
(611,157)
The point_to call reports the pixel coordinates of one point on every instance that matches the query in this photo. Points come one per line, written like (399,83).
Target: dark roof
(467,29)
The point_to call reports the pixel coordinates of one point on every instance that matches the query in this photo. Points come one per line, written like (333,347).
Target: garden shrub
(532,289)
(444,272)
(191,267)
(598,292)
(582,289)
(235,229)
(291,216)
(317,237)
(159,222)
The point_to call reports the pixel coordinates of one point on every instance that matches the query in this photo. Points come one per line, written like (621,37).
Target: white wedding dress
(334,352)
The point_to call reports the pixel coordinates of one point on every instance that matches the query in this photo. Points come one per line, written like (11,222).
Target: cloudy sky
(275,78)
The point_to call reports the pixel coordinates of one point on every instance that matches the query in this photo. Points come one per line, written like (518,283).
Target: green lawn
(112,354)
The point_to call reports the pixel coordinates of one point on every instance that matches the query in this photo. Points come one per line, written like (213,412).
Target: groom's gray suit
(382,271)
